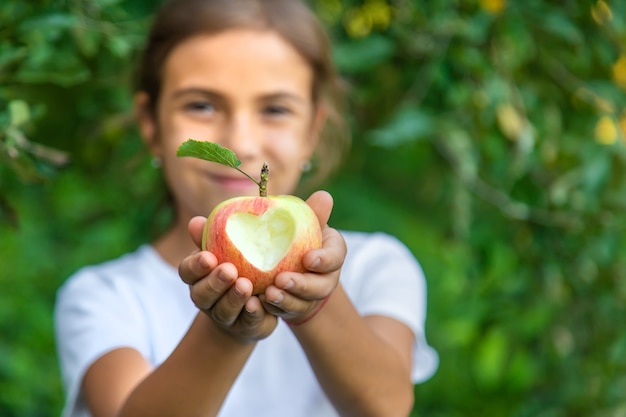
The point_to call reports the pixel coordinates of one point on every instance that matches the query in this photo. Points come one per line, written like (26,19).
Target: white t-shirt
(139,301)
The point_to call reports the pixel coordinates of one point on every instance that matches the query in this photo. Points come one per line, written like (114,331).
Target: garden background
(488,136)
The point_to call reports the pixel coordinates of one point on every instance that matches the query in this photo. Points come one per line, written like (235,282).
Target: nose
(242,136)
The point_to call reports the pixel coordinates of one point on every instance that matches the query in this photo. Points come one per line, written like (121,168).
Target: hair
(179,20)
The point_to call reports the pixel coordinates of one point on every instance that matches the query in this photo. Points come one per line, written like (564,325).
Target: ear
(146,121)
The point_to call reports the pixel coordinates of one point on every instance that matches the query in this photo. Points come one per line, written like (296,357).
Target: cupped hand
(217,290)
(296,296)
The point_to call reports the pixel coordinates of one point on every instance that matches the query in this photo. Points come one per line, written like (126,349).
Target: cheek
(175,130)
(291,145)
(285,156)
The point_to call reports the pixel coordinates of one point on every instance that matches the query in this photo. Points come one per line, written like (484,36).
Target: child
(345,338)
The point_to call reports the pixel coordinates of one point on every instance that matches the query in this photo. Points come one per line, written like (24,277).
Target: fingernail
(290,284)
(222,276)
(237,291)
(278,299)
(204,262)
(315,263)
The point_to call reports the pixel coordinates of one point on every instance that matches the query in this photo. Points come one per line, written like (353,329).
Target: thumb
(196,228)
(322,204)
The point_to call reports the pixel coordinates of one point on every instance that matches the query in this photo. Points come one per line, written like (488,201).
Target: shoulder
(378,251)
(101,307)
(112,277)
(378,264)
(368,240)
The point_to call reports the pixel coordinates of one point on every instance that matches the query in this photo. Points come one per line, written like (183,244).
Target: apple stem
(265,172)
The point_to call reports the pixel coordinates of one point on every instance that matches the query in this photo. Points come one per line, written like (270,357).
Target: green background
(488,136)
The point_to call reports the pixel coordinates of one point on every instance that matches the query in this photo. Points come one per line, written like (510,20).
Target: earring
(306,166)
(155,162)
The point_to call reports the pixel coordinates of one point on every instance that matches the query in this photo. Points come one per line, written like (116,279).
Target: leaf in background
(406,125)
(19,112)
(119,46)
(596,170)
(22,165)
(8,214)
(86,40)
(10,54)
(363,54)
(562,27)
(49,21)
(490,358)
(209,151)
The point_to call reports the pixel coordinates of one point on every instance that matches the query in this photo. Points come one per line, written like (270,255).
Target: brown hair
(179,20)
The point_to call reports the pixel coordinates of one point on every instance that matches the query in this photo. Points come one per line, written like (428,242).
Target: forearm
(362,374)
(195,379)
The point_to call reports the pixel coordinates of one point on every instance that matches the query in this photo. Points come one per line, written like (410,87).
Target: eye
(276,110)
(200,107)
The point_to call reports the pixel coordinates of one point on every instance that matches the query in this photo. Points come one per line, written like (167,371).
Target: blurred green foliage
(488,135)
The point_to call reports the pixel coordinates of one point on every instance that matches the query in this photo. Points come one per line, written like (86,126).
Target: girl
(345,338)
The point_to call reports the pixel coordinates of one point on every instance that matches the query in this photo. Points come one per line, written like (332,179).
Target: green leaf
(407,125)
(564,28)
(491,357)
(19,111)
(209,151)
(363,54)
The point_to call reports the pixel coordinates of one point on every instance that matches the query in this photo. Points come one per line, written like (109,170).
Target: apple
(262,236)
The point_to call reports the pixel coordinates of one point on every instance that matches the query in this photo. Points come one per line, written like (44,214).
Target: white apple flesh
(262,236)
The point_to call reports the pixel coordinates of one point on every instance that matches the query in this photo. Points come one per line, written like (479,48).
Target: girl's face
(247,90)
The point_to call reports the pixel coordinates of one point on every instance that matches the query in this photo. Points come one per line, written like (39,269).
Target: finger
(254,321)
(330,256)
(322,204)
(288,306)
(207,291)
(196,266)
(304,286)
(253,313)
(196,227)
(229,307)
(271,300)
(270,308)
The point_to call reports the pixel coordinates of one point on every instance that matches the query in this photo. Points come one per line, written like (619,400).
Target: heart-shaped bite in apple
(262,236)
(263,240)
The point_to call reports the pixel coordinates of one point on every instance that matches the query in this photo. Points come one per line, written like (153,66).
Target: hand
(218,291)
(295,296)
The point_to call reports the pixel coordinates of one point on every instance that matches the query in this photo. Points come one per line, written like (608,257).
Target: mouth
(233,182)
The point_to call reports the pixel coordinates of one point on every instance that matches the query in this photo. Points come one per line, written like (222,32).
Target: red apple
(262,236)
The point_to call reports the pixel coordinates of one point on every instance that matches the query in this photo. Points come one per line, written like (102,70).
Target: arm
(190,381)
(362,363)
(122,383)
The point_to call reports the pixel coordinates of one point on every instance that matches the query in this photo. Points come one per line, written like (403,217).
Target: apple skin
(307,235)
